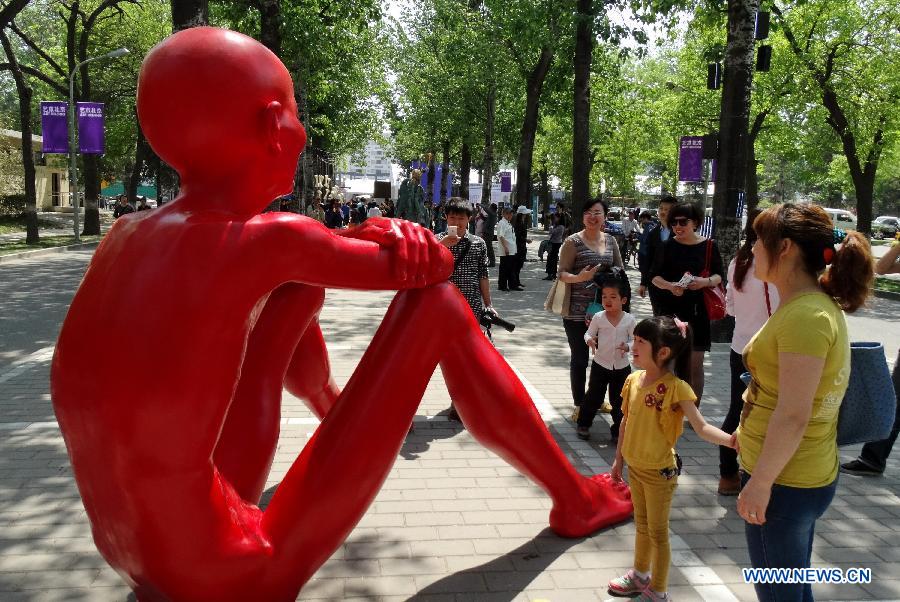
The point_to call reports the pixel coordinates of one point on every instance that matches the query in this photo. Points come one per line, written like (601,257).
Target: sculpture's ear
(273,125)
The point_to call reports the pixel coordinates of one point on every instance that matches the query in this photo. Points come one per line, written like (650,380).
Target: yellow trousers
(652,495)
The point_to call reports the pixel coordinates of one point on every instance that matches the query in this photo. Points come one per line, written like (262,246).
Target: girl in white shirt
(751,301)
(609,336)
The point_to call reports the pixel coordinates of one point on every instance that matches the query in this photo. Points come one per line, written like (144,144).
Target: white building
(374,164)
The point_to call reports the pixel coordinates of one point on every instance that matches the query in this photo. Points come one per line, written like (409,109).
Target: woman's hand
(753,501)
(700,283)
(587,274)
(616,470)
(675,289)
(592,343)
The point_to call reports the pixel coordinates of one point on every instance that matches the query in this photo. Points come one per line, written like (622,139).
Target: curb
(887,295)
(48,251)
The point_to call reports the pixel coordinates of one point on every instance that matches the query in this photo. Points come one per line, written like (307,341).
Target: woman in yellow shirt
(800,364)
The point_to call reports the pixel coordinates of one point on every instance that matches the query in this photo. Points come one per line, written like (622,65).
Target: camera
(488,319)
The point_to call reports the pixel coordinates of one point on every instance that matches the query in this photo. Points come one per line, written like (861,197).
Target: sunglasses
(681,221)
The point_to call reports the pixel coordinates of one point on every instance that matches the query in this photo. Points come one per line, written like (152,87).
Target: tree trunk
(752,199)
(141,155)
(25,94)
(189,13)
(91,190)
(270,24)
(487,168)
(734,118)
(31,221)
(584,49)
(533,88)
(863,174)
(445,169)
(465,166)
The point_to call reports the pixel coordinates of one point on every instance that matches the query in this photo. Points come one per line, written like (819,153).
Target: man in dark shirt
(334,219)
(654,242)
(470,268)
(122,207)
(470,273)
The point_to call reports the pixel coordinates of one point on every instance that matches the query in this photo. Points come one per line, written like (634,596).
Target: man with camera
(470,267)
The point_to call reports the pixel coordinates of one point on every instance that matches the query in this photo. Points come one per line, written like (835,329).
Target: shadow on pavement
(506,576)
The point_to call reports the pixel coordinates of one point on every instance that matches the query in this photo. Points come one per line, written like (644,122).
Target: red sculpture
(218,307)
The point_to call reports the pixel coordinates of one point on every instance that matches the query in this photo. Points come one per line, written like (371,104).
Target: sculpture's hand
(380,230)
(419,259)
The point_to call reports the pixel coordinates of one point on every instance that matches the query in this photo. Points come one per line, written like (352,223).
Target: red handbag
(713,297)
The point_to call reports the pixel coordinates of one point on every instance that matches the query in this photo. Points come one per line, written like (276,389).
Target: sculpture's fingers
(423,264)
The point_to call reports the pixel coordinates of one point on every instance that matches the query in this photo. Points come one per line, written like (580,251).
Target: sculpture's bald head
(213,98)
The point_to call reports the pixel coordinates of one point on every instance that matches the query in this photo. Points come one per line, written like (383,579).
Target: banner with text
(505,181)
(90,128)
(54,126)
(690,159)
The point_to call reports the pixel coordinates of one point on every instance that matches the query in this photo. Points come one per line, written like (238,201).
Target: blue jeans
(786,539)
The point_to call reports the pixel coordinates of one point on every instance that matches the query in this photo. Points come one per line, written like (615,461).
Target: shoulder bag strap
(463,254)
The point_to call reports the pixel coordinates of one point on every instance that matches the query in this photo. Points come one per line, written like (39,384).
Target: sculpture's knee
(444,298)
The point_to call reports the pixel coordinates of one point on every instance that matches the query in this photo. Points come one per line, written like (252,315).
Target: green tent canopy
(118,188)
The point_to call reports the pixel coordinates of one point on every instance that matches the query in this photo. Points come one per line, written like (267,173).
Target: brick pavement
(453,521)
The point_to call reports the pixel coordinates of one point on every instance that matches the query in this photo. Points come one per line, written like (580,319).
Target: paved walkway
(453,521)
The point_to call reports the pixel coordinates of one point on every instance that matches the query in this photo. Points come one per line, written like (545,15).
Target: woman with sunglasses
(682,297)
(582,255)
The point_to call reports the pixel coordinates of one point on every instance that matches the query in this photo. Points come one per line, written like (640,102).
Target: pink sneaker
(648,595)
(628,584)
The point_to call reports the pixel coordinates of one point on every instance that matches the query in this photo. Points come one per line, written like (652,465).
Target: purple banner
(90,128)
(436,185)
(690,159)
(54,126)
(505,181)
(449,184)
(424,181)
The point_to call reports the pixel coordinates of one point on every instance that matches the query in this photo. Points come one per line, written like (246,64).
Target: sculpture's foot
(610,505)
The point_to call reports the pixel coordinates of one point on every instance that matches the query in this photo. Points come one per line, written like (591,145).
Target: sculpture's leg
(342,467)
(497,410)
(246,446)
(309,373)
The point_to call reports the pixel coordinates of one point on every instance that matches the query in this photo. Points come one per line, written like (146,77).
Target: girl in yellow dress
(655,402)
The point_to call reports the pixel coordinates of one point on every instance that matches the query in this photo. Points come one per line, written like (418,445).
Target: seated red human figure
(171,462)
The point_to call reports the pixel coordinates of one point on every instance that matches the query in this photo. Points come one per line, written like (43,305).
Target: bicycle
(630,249)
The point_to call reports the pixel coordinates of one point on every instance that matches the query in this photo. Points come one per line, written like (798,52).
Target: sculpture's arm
(381,254)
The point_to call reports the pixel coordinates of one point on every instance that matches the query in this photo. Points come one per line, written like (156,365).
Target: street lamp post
(73,168)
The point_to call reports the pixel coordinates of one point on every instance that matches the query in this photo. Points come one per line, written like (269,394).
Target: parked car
(885,226)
